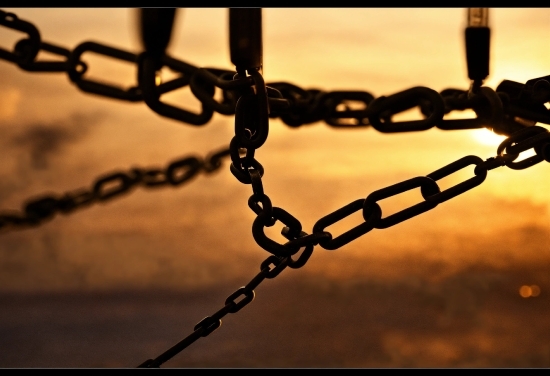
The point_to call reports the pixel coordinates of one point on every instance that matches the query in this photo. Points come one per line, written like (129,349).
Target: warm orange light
(487,137)
(529,291)
(158,79)
(535,290)
(525,291)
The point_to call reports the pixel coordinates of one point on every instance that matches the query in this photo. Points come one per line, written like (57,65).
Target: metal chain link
(294,105)
(537,138)
(106,187)
(270,268)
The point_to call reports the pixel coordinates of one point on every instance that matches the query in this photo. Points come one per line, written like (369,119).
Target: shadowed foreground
(471,319)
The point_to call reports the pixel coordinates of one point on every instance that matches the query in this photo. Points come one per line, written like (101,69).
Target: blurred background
(463,285)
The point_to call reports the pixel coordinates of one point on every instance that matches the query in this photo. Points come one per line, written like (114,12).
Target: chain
(106,187)
(537,138)
(512,109)
(270,268)
(294,105)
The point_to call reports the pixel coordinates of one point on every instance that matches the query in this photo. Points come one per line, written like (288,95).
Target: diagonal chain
(108,186)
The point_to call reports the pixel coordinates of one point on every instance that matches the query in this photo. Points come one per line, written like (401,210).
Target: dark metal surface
(294,105)
(245,38)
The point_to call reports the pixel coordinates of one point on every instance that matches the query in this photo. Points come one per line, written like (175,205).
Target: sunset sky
(439,290)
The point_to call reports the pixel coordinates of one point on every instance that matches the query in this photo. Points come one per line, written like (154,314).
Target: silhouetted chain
(106,187)
(513,110)
(249,171)
(270,268)
(294,105)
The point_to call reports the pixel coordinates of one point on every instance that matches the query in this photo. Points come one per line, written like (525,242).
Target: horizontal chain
(295,106)
(106,187)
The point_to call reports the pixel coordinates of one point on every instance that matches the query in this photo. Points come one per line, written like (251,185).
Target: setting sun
(487,137)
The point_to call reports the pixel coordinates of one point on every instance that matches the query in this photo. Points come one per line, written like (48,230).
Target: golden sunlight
(487,137)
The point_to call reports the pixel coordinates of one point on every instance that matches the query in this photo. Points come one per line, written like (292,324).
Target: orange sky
(190,237)
(378,50)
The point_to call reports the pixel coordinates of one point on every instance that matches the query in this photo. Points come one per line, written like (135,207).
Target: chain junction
(512,109)
(294,105)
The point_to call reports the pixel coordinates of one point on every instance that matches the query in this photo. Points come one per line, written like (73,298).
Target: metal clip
(156,29)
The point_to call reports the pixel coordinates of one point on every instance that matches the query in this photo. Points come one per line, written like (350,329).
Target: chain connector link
(262,220)
(537,137)
(382,109)
(347,118)
(25,48)
(303,241)
(190,165)
(480,175)
(370,205)
(236,307)
(348,236)
(125,183)
(252,115)
(486,103)
(208,325)
(279,264)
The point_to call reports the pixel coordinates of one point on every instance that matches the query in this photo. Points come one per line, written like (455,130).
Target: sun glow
(487,137)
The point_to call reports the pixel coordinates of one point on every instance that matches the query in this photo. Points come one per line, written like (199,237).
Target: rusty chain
(512,109)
